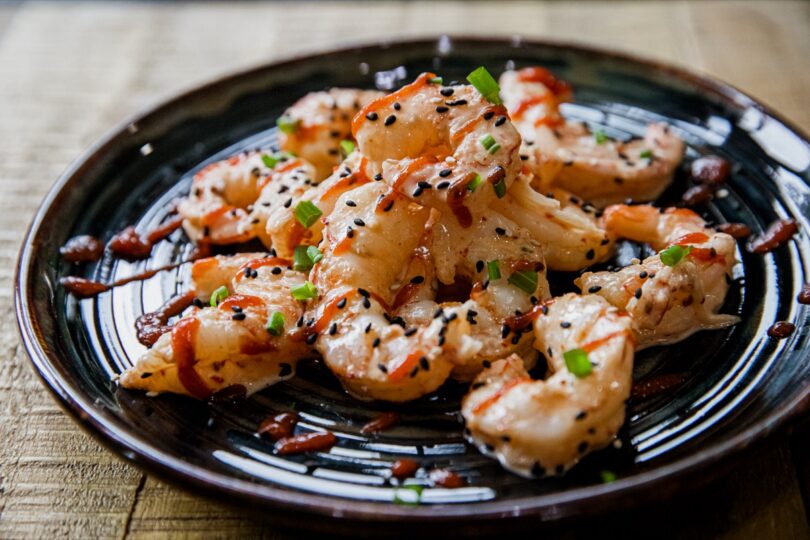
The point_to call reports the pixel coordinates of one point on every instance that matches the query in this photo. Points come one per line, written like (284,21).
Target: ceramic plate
(726,389)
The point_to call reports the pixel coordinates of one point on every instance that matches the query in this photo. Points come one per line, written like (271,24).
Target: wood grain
(68,71)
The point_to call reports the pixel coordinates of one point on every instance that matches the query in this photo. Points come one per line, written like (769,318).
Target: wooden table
(69,71)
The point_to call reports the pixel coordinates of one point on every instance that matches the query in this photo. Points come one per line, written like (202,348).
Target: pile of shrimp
(375,204)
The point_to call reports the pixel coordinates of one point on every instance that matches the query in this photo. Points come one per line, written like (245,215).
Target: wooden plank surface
(69,71)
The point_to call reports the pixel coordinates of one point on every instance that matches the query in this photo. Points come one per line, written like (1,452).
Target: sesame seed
(312,338)
(544,310)
(376,342)
(565,324)
(417,280)
(368,328)
(479,266)
(382,368)
(378,177)
(423,362)
(390,120)
(332,329)
(349,232)
(637,294)
(456,103)
(424,185)
(414,371)
(372,116)
(643,274)
(417,192)
(444,173)
(500,230)
(581,415)
(397,106)
(488,115)
(366,303)
(487,364)
(590,254)
(341,303)
(442,109)
(410,331)
(288,202)
(359,222)
(443,185)
(351,203)
(500,121)
(595,289)
(446,92)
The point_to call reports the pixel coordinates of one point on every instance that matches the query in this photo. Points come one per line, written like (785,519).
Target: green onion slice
(500,189)
(673,254)
(287,124)
(275,325)
(306,291)
(494,270)
(577,362)
(525,280)
(271,160)
(436,80)
(600,136)
(347,147)
(219,295)
(475,182)
(307,213)
(411,500)
(486,85)
(301,260)
(487,141)
(607,476)
(314,254)
(646,154)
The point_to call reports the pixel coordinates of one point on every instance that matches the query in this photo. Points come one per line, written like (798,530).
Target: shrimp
(443,147)
(375,355)
(229,200)
(315,125)
(571,238)
(212,348)
(285,231)
(544,427)
(568,155)
(671,295)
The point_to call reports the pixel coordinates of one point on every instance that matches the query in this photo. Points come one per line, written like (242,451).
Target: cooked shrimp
(590,165)
(212,348)
(315,125)
(544,427)
(673,294)
(443,147)
(229,199)
(284,229)
(365,253)
(571,238)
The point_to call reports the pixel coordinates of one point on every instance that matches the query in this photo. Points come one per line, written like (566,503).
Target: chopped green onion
(287,124)
(487,141)
(500,188)
(608,476)
(436,80)
(307,213)
(525,280)
(646,154)
(475,182)
(269,161)
(272,160)
(347,147)
(486,85)
(219,295)
(494,270)
(314,254)
(673,254)
(306,291)
(577,362)
(275,325)
(600,136)
(301,260)
(416,489)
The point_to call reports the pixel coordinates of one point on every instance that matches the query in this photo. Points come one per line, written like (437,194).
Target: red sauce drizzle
(404,368)
(735,230)
(778,233)
(258,263)
(516,322)
(82,248)
(557,86)
(240,301)
(710,170)
(530,102)
(446,479)
(307,442)
(595,344)
(81,287)
(404,468)
(470,124)
(656,385)
(455,200)
(150,326)
(405,294)
(392,194)
(379,103)
(279,426)
(381,422)
(327,312)
(128,244)
(781,329)
(804,295)
(183,335)
(497,395)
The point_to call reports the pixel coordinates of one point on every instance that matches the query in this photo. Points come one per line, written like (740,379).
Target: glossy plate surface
(732,387)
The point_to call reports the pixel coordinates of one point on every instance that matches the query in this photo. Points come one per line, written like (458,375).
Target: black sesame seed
(341,303)
(388,206)
(417,280)
(372,116)
(424,185)
(197,303)
(456,103)
(378,177)
(366,303)
(288,202)
(276,270)
(351,203)
(595,289)
(239,316)
(349,232)
(487,364)
(368,328)
(590,254)
(146,375)
(359,222)
(544,310)
(488,115)
(332,329)
(444,173)
(376,342)
(397,106)
(300,322)
(642,274)
(410,331)
(364,293)
(637,294)
(417,192)
(423,362)
(443,185)
(604,242)
(581,415)
(500,121)
(441,340)
(500,231)
(565,324)
(382,368)
(478,385)
(446,92)
(312,338)
(479,266)
(438,313)
(390,120)
(236,309)
(442,109)
(414,371)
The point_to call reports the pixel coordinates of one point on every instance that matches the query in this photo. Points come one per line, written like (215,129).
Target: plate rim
(116,435)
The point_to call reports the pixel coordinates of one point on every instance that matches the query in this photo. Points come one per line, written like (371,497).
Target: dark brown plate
(736,386)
